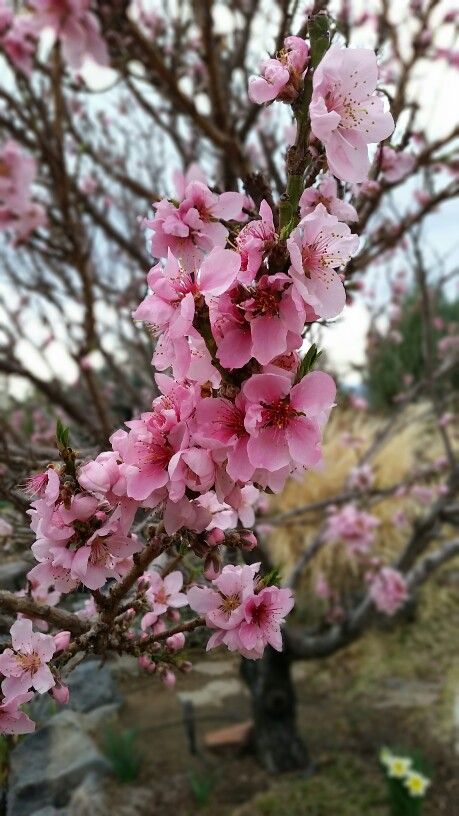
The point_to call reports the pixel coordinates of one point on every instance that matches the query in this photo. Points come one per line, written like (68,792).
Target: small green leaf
(62,434)
(307,363)
(272,578)
(319,35)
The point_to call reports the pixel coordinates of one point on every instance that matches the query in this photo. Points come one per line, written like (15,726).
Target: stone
(91,686)
(49,810)
(13,575)
(46,766)
(214,692)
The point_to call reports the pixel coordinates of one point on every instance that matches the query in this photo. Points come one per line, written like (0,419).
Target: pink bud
(61,641)
(176,642)
(186,666)
(147,664)
(60,693)
(143,583)
(212,567)
(215,536)
(168,678)
(159,627)
(249,541)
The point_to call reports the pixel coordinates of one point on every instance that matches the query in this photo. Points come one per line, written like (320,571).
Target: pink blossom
(185,513)
(245,620)
(285,423)
(25,666)
(193,228)
(103,476)
(389,591)
(222,422)
(396,165)
(171,305)
(223,606)
(17,211)
(190,468)
(162,594)
(147,451)
(46,485)
(264,614)
(352,526)
(361,477)
(17,174)
(263,321)
(254,241)
(318,246)
(346,114)
(12,719)
(20,43)
(327,194)
(103,554)
(281,77)
(74,26)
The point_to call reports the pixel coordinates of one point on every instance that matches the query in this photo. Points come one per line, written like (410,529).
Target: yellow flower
(416,783)
(398,767)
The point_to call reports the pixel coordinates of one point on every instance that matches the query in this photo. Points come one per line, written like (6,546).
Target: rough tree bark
(277,742)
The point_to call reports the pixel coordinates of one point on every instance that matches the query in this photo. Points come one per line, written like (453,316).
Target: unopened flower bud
(60,693)
(215,537)
(212,566)
(61,641)
(168,678)
(176,642)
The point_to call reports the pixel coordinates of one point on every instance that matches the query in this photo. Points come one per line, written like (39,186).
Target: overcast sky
(437,90)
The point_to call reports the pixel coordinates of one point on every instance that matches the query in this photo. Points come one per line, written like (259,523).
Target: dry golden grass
(414,443)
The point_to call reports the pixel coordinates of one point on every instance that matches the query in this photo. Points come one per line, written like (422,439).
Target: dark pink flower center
(264,303)
(29,662)
(279,414)
(229,603)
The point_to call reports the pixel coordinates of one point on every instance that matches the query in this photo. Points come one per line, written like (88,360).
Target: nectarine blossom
(25,665)
(318,247)
(346,114)
(281,77)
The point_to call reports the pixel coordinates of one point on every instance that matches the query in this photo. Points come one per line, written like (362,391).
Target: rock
(214,692)
(91,686)
(13,574)
(49,810)
(48,765)
(96,721)
(89,798)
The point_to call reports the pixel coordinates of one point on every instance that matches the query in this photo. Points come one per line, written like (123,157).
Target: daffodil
(416,783)
(398,767)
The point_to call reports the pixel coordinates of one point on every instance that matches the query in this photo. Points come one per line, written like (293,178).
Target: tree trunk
(277,743)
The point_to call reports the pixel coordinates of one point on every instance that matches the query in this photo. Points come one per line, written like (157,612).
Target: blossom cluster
(18,212)
(238,411)
(346,113)
(246,617)
(69,22)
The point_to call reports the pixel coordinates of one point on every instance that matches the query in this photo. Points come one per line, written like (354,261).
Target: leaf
(307,363)
(319,35)
(62,434)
